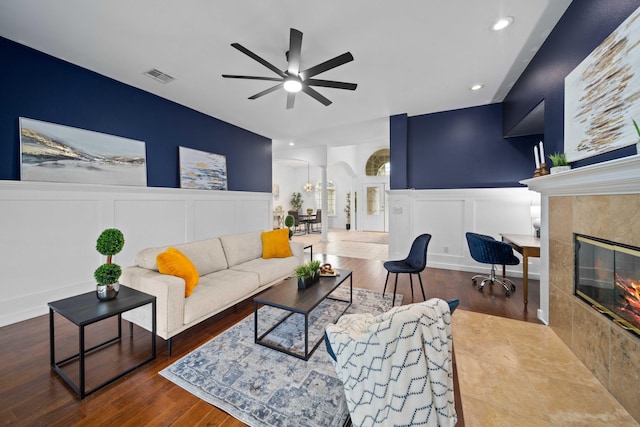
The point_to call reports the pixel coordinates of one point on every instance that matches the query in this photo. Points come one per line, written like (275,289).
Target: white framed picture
(202,170)
(58,153)
(602,95)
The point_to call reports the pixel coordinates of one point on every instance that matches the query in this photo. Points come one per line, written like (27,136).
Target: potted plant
(309,211)
(559,161)
(347,210)
(308,274)
(109,243)
(289,221)
(296,201)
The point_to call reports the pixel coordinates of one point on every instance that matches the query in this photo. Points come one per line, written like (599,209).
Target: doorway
(374,216)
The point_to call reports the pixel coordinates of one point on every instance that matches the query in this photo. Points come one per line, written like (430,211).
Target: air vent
(158,75)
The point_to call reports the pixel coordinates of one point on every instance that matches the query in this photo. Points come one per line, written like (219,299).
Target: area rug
(264,387)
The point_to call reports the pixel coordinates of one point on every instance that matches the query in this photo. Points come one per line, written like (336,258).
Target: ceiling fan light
(292,85)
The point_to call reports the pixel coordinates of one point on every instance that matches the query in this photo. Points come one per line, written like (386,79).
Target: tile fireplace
(598,201)
(607,277)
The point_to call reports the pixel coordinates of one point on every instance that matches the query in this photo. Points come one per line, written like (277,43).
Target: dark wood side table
(85,309)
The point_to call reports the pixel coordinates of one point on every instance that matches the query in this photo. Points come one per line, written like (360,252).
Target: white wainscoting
(448,214)
(48,232)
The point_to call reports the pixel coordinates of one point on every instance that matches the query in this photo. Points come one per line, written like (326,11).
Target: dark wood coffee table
(287,296)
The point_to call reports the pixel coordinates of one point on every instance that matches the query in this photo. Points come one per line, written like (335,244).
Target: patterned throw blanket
(396,367)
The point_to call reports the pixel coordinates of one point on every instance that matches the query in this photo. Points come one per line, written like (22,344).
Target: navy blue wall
(41,87)
(582,28)
(399,178)
(465,149)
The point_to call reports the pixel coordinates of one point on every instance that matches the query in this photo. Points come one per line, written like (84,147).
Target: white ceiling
(411,56)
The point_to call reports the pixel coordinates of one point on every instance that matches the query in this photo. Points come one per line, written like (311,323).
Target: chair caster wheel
(513,288)
(507,293)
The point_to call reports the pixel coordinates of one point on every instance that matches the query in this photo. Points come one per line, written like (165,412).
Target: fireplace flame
(629,298)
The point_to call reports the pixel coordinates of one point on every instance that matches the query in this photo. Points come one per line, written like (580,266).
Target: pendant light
(308,187)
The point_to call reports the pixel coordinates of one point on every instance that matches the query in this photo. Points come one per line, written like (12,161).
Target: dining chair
(297,223)
(317,222)
(414,263)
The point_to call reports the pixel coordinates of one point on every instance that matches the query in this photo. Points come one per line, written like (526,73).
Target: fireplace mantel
(618,176)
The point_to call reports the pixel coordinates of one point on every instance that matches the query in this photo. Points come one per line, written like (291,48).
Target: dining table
(307,220)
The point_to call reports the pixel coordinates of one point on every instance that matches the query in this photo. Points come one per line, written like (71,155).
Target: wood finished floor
(32,394)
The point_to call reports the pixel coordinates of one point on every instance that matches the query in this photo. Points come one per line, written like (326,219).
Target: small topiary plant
(109,243)
(289,221)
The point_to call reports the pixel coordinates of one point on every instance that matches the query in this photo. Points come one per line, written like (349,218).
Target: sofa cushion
(216,290)
(175,263)
(207,256)
(275,244)
(239,248)
(269,270)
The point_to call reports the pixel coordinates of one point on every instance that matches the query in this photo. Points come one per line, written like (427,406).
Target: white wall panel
(448,214)
(147,223)
(444,220)
(213,218)
(48,232)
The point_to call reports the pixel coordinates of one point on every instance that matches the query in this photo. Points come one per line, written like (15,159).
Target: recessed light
(292,144)
(476,86)
(502,23)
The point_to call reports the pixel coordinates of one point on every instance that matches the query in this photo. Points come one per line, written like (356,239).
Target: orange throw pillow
(175,263)
(275,244)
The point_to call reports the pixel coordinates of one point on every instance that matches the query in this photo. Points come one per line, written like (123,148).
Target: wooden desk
(527,246)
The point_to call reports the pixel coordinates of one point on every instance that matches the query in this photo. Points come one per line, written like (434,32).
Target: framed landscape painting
(602,95)
(57,153)
(202,170)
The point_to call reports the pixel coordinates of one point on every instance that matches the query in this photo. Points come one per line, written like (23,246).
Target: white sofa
(231,269)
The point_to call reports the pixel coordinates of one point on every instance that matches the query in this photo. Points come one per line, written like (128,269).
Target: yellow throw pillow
(275,244)
(175,263)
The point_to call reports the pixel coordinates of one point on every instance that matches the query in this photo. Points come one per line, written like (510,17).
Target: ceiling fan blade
(327,65)
(291,98)
(264,92)
(259,59)
(332,84)
(233,76)
(295,48)
(315,94)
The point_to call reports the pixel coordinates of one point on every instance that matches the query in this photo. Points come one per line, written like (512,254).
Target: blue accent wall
(398,133)
(581,29)
(41,87)
(465,149)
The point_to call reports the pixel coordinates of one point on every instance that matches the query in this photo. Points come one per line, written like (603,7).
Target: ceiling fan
(292,79)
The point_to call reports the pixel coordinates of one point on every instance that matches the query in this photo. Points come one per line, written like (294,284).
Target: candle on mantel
(535,154)
(542,153)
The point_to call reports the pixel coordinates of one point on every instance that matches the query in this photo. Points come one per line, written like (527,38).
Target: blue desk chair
(487,250)
(414,263)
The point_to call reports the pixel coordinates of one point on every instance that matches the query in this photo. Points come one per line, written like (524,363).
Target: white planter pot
(558,169)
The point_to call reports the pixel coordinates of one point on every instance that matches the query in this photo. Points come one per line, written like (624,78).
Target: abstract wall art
(202,170)
(602,95)
(57,153)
